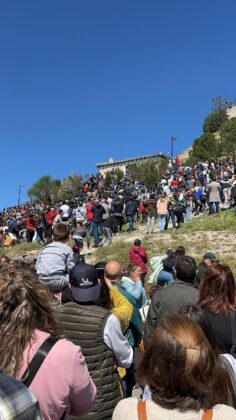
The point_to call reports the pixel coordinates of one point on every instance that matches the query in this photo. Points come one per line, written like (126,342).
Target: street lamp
(20,187)
(173,138)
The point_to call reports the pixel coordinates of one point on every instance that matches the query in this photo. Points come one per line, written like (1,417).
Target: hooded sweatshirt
(138,255)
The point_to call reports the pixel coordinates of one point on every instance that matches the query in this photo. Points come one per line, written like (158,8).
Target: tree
(206,147)
(215,120)
(149,172)
(118,175)
(222,103)
(228,138)
(218,116)
(45,189)
(107,179)
(115,175)
(71,186)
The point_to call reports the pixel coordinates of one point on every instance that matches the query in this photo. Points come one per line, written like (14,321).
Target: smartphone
(100,273)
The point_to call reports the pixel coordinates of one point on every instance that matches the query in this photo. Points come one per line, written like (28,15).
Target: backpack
(169,263)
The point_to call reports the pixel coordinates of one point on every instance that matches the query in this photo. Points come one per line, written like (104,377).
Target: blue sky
(81,81)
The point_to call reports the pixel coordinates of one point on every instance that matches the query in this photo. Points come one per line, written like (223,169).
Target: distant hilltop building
(105,167)
(232,112)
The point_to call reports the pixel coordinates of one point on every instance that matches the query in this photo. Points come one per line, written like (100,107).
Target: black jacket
(98,212)
(221,325)
(201,270)
(131,208)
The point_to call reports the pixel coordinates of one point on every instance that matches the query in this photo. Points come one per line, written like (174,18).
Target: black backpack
(169,263)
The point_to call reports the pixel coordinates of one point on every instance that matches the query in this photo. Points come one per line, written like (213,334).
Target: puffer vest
(84,326)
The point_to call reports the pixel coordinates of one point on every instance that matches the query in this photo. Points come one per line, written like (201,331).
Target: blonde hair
(25,305)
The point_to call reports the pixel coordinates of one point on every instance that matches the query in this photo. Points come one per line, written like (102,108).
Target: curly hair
(25,305)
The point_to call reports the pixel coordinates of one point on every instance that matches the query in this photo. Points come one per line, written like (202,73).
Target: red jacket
(175,183)
(51,215)
(138,255)
(89,212)
(30,223)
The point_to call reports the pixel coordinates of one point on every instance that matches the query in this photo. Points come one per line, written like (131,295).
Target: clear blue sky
(83,80)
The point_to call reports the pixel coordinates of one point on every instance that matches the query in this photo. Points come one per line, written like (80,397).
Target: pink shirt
(162,207)
(62,382)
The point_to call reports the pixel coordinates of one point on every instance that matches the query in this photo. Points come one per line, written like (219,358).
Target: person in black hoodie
(130,211)
(97,222)
(117,208)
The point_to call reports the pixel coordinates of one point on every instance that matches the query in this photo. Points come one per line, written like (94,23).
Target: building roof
(129,160)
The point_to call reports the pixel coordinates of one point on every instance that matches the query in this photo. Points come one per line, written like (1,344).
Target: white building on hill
(122,164)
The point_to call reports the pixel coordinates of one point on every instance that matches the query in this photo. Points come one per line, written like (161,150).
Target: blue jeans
(79,242)
(55,282)
(130,220)
(214,207)
(172,216)
(107,236)
(96,227)
(162,222)
(150,224)
(165,277)
(188,213)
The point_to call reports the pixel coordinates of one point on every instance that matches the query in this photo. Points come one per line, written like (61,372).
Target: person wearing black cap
(99,334)
(208,259)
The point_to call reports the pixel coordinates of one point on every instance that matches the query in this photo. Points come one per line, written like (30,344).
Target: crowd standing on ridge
(183,192)
(96,341)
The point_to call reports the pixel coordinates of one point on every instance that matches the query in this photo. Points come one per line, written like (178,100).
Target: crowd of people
(84,338)
(96,341)
(183,192)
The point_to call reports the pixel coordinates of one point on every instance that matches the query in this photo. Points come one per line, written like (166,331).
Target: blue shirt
(136,290)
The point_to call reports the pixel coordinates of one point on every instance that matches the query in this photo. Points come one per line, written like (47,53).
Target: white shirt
(117,343)
(65,208)
(166,189)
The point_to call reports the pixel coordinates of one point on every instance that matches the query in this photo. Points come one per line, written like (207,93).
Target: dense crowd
(96,341)
(183,192)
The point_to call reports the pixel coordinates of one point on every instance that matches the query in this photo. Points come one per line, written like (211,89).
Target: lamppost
(20,187)
(173,138)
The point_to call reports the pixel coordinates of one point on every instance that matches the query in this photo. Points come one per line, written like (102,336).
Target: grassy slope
(225,220)
(215,233)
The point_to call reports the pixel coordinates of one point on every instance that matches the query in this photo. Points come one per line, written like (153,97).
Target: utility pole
(20,187)
(173,138)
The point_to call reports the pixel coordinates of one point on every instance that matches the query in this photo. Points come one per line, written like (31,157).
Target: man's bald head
(113,271)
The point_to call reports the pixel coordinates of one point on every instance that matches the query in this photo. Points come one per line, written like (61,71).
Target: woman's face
(136,273)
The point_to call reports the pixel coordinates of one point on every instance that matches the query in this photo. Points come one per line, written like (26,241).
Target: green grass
(206,233)
(194,246)
(224,220)
(18,250)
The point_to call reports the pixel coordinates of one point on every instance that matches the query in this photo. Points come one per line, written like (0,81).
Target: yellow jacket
(121,308)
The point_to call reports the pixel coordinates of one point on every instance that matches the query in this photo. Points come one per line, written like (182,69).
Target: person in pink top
(162,211)
(62,384)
